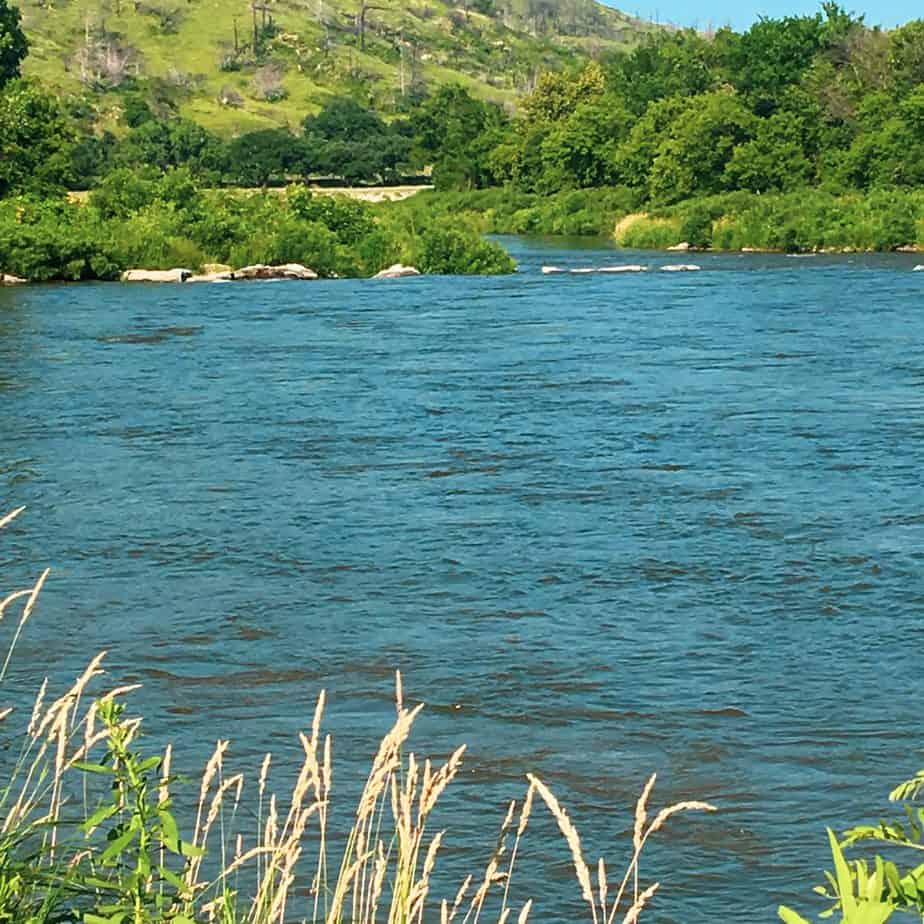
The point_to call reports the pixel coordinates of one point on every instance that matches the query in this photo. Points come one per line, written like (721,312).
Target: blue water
(604,525)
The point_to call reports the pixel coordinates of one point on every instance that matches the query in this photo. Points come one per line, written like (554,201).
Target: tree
(906,55)
(579,150)
(557,94)
(347,140)
(772,55)
(258,157)
(692,160)
(664,64)
(773,160)
(13,44)
(456,133)
(35,140)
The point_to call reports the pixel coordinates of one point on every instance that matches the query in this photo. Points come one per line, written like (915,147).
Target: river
(605,525)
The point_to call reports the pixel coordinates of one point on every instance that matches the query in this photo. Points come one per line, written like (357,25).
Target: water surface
(604,525)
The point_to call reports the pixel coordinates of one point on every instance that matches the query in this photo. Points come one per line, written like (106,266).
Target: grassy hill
(233,65)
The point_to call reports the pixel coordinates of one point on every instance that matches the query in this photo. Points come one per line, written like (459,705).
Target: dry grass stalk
(636,909)
(570,834)
(6,520)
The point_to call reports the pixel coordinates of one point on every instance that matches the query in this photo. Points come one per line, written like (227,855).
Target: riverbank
(169,223)
(811,220)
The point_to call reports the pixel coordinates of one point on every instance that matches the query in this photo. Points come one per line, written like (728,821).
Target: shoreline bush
(806,220)
(155,220)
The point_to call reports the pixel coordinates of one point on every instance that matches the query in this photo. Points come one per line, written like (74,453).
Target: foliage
(13,43)
(35,140)
(145,218)
(800,220)
(450,251)
(870,891)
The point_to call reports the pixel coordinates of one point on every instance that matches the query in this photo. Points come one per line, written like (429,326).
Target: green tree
(580,150)
(558,94)
(772,55)
(906,55)
(259,157)
(693,159)
(636,155)
(13,44)
(774,159)
(456,133)
(35,140)
(664,64)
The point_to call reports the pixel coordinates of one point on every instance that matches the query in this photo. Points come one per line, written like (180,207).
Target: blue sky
(741,13)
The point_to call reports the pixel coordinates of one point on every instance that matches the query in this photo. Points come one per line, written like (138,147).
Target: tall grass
(87,829)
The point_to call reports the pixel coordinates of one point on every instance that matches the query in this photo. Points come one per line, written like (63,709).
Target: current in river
(604,525)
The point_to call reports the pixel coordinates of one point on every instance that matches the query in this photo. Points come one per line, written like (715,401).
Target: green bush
(446,251)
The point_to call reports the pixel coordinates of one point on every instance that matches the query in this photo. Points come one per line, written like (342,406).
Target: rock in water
(627,268)
(681,268)
(172,275)
(285,271)
(684,245)
(919,268)
(7,279)
(398,271)
(550,270)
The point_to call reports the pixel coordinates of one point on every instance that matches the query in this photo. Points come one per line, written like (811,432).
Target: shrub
(449,252)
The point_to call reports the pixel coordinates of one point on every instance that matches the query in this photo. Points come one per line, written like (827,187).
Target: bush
(449,252)
(696,227)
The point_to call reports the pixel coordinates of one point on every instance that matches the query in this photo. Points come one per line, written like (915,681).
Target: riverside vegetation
(89,829)
(802,133)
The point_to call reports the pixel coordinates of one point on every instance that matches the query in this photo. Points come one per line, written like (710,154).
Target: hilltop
(234,66)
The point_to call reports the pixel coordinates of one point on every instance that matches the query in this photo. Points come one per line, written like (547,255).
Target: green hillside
(234,66)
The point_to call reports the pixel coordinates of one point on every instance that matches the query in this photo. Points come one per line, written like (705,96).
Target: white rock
(223,276)
(8,279)
(264,271)
(684,245)
(919,268)
(172,275)
(581,272)
(550,270)
(397,271)
(681,268)
(626,268)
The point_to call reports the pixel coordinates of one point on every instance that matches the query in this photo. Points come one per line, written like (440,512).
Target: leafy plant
(870,891)
(139,884)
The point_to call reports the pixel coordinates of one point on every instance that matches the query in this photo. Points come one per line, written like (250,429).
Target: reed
(115,855)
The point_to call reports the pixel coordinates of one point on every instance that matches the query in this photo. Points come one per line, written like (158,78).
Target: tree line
(824,101)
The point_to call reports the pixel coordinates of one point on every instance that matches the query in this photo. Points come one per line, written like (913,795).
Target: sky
(741,13)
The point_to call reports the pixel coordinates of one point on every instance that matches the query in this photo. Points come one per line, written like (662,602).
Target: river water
(605,525)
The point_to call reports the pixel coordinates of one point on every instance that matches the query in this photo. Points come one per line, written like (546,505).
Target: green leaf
(92,768)
(117,846)
(844,877)
(98,817)
(174,880)
(190,850)
(171,833)
(788,916)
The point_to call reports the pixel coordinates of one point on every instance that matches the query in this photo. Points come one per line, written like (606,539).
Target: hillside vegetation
(234,65)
